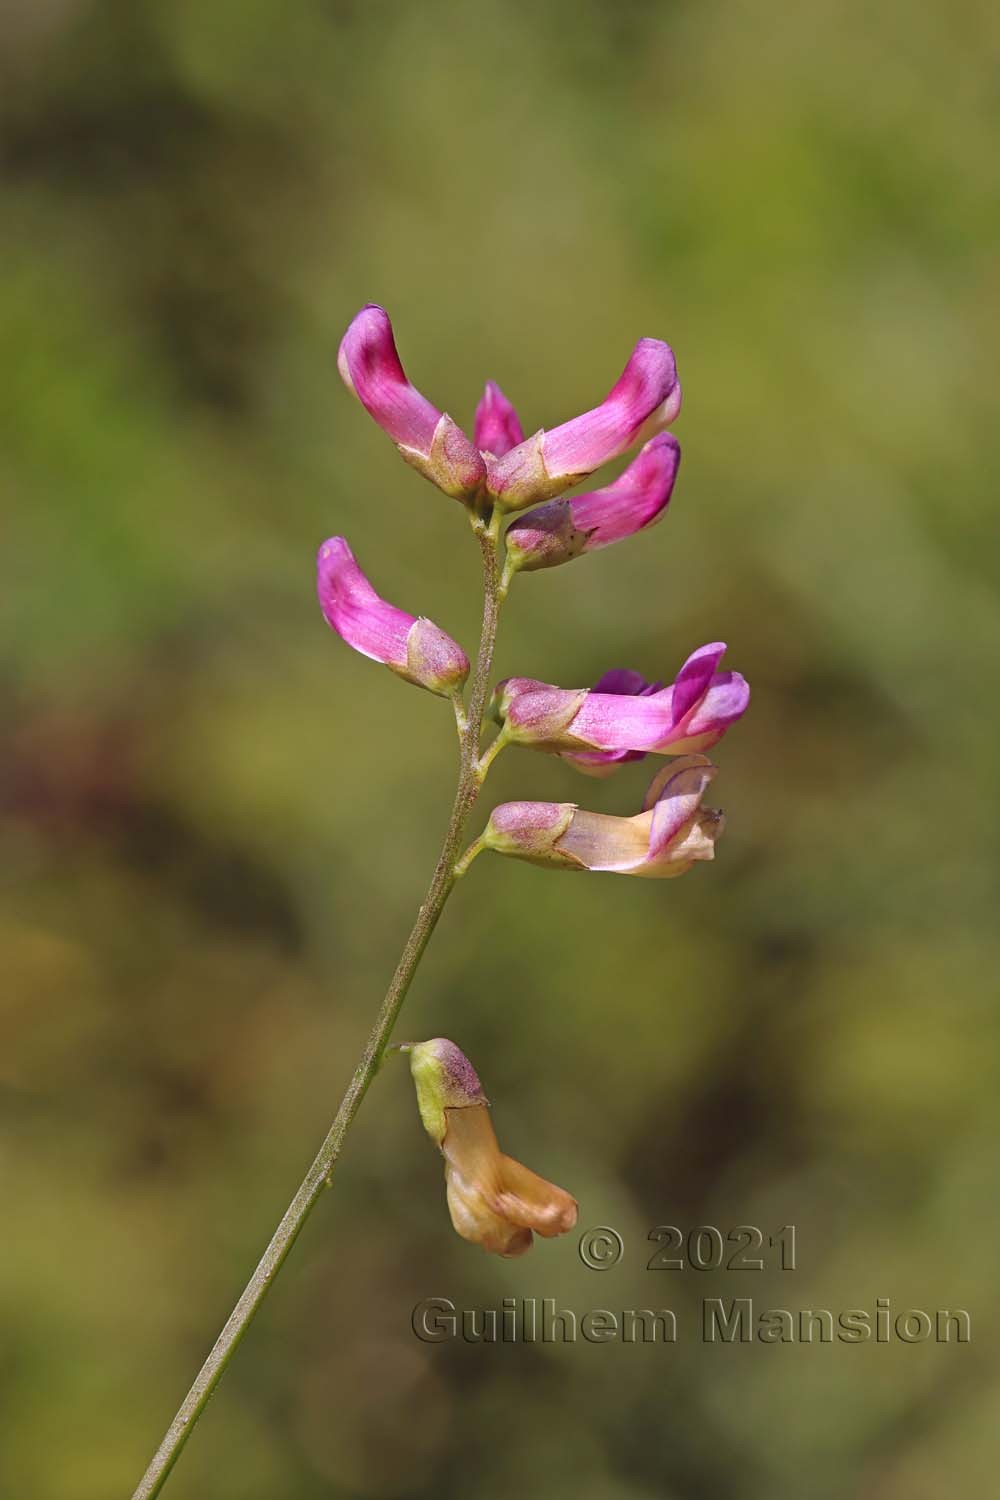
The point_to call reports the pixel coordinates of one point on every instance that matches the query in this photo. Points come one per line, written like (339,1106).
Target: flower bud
(427,439)
(497,428)
(563,529)
(493,1200)
(663,841)
(415,649)
(645,399)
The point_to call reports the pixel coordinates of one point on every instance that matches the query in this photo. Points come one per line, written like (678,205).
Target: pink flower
(497,428)
(645,399)
(413,648)
(427,439)
(563,529)
(691,715)
(664,840)
(494,1201)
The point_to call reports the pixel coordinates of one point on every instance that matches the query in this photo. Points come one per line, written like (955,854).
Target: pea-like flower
(563,529)
(493,1200)
(664,840)
(691,715)
(644,400)
(427,438)
(412,647)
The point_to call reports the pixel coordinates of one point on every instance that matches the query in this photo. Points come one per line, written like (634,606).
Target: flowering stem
(320,1173)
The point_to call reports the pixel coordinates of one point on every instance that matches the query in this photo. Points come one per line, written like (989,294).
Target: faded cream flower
(494,1201)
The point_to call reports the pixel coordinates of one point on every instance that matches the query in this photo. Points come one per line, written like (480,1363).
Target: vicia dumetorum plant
(513,492)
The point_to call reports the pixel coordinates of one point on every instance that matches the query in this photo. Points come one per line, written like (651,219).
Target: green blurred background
(218,821)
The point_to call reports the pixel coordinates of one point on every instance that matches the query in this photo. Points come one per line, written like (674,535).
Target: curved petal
(674,797)
(530,1202)
(726,700)
(428,439)
(645,398)
(371,368)
(355,611)
(692,681)
(560,530)
(416,649)
(636,499)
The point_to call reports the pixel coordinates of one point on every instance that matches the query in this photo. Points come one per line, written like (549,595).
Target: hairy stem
(320,1173)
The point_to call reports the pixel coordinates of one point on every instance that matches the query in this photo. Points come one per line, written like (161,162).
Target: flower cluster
(496,475)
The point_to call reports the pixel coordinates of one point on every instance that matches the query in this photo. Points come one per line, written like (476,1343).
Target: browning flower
(664,840)
(494,1201)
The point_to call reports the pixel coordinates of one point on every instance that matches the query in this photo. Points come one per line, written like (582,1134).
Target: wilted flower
(494,1201)
(427,438)
(564,529)
(414,648)
(662,841)
(691,715)
(497,427)
(645,399)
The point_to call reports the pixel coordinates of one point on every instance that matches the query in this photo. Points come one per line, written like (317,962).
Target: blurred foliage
(218,821)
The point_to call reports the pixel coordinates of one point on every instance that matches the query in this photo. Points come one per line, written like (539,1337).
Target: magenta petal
(725,701)
(692,681)
(625,682)
(371,368)
(644,399)
(355,611)
(610,721)
(636,499)
(497,428)
(415,648)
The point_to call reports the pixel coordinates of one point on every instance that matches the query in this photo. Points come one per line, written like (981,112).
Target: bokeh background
(217,821)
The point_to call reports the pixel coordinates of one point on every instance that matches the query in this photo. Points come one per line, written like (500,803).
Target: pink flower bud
(691,715)
(426,438)
(494,1201)
(415,649)
(664,840)
(563,529)
(645,399)
(497,428)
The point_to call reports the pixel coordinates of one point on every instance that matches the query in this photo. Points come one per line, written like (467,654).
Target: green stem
(320,1173)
